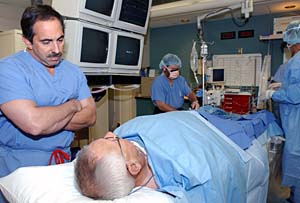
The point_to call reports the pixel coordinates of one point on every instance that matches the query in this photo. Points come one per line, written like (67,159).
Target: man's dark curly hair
(36,13)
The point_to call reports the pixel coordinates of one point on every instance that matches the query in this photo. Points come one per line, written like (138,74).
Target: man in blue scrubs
(288,97)
(168,89)
(276,83)
(43,98)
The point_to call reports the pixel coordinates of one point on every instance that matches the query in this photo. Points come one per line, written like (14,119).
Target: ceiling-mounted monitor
(127,53)
(96,11)
(88,46)
(130,15)
(133,15)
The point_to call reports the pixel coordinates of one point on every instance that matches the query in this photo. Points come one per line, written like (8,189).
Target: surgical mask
(172,73)
(288,46)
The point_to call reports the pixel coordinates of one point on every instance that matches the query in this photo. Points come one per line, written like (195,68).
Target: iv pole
(203,54)
(246,7)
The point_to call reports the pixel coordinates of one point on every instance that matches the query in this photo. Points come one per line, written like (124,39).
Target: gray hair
(106,178)
(112,174)
(85,172)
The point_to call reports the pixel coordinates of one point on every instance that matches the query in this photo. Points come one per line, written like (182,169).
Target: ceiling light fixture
(290,6)
(184,20)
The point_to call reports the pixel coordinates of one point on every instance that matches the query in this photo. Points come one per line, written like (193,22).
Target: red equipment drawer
(236,103)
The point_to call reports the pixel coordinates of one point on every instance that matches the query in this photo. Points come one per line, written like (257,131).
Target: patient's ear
(134,167)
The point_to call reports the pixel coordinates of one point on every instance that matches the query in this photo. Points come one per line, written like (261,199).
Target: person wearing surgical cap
(288,97)
(168,89)
(276,83)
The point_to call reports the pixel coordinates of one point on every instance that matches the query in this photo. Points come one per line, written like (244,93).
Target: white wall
(146,51)
(11,12)
(10,16)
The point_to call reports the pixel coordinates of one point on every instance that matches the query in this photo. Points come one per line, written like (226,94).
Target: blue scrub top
(22,77)
(173,95)
(280,72)
(288,97)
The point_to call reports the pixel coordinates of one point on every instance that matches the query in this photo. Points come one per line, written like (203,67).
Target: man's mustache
(53,54)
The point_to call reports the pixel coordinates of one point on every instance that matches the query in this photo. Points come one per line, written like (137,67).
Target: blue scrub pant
(2,199)
(295,194)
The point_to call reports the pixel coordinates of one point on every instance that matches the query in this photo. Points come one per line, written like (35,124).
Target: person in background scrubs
(168,89)
(278,76)
(276,83)
(288,97)
(43,98)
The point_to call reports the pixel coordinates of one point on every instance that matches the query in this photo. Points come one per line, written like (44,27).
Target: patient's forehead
(102,146)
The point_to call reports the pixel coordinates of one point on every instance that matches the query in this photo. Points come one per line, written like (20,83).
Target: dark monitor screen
(104,7)
(218,75)
(134,12)
(94,47)
(128,51)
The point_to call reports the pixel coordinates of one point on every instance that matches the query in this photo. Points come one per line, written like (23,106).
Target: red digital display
(246,33)
(227,35)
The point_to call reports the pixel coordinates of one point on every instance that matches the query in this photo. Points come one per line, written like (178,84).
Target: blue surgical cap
(169,60)
(292,33)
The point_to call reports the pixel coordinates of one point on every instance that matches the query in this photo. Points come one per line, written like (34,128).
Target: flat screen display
(94,46)
(128,50)
(134,12)
(218,75)
(104,7)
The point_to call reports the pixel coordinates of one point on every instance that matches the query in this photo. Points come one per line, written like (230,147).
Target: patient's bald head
(103,172)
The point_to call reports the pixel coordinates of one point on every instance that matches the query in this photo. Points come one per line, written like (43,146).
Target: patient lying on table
(174,153)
